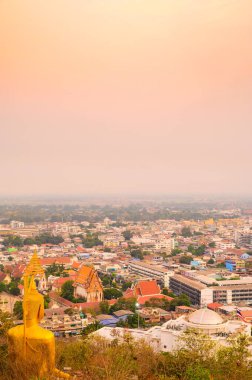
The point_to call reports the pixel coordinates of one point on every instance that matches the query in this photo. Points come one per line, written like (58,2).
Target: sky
(125,97)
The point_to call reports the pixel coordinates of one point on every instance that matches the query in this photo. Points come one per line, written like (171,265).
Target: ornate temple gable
(88,281)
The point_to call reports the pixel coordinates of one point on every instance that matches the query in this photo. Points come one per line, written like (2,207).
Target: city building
(203,290)
(145,290)
(151,271)
(166,337)
(88,285)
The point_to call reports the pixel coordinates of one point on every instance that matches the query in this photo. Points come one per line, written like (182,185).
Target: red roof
(214,305)
(246,314)
(145,288)
(56,260)
(76,265)
(80,249)
(60,281)
(129,293)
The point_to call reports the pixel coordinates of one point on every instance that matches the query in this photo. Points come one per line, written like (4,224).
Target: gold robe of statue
(32,348)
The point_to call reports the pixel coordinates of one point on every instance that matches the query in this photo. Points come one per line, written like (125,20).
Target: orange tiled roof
(76,265)
(146,288)
(56,260)
(88,278)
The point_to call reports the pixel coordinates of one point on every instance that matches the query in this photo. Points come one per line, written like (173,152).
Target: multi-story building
(244,239)
(151,272)
(15,224)
(202,291)
(166,244)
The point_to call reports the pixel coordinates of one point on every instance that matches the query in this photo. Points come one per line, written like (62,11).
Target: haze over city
(130,97)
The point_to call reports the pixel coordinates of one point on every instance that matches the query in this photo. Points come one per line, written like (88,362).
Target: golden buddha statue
(31,347)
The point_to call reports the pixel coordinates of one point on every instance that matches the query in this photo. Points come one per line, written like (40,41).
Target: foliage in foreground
(197,358)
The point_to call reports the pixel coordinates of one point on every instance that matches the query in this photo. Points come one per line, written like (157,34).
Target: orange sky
(132,96)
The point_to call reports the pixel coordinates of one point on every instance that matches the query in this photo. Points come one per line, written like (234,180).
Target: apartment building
(15,224)
(151,271)
(244,239)
(203,291)
(167,244)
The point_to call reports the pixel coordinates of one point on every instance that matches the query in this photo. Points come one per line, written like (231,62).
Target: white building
(15,224)
(203,290)
(151,271)
(166,337)
(166,244)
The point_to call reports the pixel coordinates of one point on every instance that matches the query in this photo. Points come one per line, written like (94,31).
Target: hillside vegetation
(93,358)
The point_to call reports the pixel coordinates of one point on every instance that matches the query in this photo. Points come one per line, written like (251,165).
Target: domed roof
(205,317)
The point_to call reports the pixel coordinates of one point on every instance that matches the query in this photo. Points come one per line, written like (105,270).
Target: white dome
(205,317)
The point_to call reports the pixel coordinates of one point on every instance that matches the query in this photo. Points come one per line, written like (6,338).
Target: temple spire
(34,267)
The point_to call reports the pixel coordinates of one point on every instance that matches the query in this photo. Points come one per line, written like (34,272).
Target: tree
(13,288)
(2,287)
(107,279)
(91,328)
(132,321)
(44,239)
(185,259)
(18,310)
(55,269)
(197,372)
(233,361)
(67,290)
(69,311)
(191,248)
(200,250)
(197,233)
(91,240)
(212,244)
(137,253)
(181,300)
(210,261)
(104,307)
(196,251)
(124,304)
(162,303)
(166,292)
(6,323)
(127,234)
(46,301)
(126,285)
(112,293)
(186,232)
(176,251)
(29,241)
(13,241)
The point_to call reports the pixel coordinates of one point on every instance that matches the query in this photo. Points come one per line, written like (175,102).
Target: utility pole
(137,306)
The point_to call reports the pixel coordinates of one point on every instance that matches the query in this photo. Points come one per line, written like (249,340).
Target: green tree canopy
(186,232)
(127,234)
(112,293)
(18,309)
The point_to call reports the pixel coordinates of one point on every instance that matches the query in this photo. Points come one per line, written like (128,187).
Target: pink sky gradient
(130,96)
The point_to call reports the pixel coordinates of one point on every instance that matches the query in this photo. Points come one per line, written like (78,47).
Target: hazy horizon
(125,98)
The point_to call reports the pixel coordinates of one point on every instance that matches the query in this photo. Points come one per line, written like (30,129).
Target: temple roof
(88,278)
